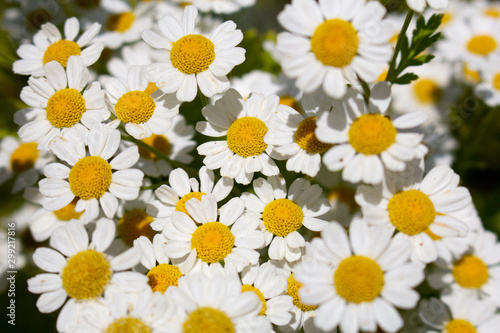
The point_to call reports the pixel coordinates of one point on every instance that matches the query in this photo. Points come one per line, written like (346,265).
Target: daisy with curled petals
(419,5)
(201,240)
(194,60)
(226,310)
(181,188)
(281,215)
(366,141)
(360,279)
(142,113)
(331,43)
(245,124)
(62,101)
(90,177)
(82,271)
(49,46)
(422,209)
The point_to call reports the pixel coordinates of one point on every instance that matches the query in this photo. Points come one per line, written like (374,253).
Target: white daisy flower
(366,140)
(22,161)
(281,215)
(142,113)
(90,177)
(360,279)
(194,60)
(221,6)
(82,271)
(489,89)
(330,43)
(201,240)
(245,124)
(173,197)
(226,310)
(270,285)
(422,209)
(49,46)
(60,102)
(420,5)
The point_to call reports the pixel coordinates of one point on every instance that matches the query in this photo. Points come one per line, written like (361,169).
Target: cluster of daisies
(315,200)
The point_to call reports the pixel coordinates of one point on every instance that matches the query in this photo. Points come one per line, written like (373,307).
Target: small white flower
(221,6)
(489,89)
(419,5)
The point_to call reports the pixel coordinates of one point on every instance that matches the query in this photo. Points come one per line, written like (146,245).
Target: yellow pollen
(247,287)
(290,101)
(335,43)
(306,139)
(60,51)
(151,88)
(213,241)
(470,272)
(68,212)
(282,216)
(292,287)
(427,91)
(134,224)
(245,136)
(65,108)
(128,325)
(181,204)
(482,45)
(492,12)
(163,276)
(383,76)
(471,74)
(359,279)
(192,54)
(135,107)
(411,212)
(372,134)
(159,142)
(90,177)
(120,22)
(24,157)
(208,320)
(459,326)
(344,195)
(86,275)
(496,82)
(432,235)
(447,17)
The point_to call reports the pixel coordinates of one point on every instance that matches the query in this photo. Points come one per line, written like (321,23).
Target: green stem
(366,90)
(399,44)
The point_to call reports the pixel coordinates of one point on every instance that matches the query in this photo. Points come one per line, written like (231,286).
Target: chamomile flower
(143,114)
(49,46)
(360,279)
(201,240)
(22,161)
(420,5)
(245,124)
(221,6)
(330,43)
(283,215)
(90,177)
(489,89)
(366,141)
(194,59)
(82,271)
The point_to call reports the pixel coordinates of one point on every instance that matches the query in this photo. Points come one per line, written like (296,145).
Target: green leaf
(406,78)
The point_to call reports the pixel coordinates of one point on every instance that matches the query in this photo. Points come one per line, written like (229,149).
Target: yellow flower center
(482,45)
(470,272)
(120,22)
(90,177)
(128,325)
(393,40)
(359,279)
(492,12)
(134,224)
(208,320)
(306,139)
(432,235)
(181,204)
(290,101)
(135,107)
(282,216)
(86,275)
(151,88)
(159,142)
(335,43)
(245,136)
(427,91)
(471,74)
(163,276)
(65,108)
(459,326)
(496,82)
(292,287)
(213,241)
(411,212)
(68,212)
(60,51)
(447,17)
(372,134)
(383,76)
(24,157)
(192,54)
(247,287)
